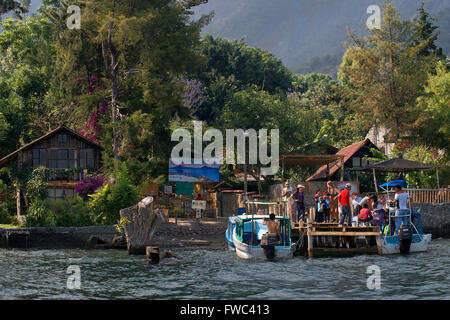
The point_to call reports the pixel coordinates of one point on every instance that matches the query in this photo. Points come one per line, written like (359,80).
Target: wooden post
(310,238)
(142,222)
(152,254)
(380,253)
(375,180)
(437,178)
(342,169)
(18,205)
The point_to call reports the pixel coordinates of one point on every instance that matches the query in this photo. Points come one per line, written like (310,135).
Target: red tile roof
(347,152)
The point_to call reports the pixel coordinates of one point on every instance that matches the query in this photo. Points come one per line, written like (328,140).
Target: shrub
(6,217)
(39,215)
(106,204)
(72,212)
(36,186)
(89,185)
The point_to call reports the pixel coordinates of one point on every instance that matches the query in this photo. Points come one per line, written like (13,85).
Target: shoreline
(208,234)
(187,234)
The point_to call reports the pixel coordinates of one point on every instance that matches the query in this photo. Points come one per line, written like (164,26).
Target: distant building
(59,150)
(353,157)
(380,137)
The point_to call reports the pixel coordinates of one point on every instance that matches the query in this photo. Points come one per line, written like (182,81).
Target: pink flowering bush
(89,185)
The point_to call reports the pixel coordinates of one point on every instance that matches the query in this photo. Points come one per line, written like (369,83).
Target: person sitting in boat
(273,226)
(365,215)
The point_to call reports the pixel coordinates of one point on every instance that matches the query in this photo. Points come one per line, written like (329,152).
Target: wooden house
(68,156)
(354,156)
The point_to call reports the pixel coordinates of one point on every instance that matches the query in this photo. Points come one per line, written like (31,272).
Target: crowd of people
(334,205)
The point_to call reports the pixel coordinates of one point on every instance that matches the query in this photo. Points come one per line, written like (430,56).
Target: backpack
(322,205)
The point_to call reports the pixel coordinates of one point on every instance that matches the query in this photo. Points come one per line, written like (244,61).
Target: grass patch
(8,226)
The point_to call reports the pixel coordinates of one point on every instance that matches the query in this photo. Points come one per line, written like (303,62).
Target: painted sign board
(168,189)
(199,204)
(194,173)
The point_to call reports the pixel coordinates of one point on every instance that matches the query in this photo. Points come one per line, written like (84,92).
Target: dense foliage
(136,70)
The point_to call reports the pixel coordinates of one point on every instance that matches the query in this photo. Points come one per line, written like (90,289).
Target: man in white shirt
(401,200)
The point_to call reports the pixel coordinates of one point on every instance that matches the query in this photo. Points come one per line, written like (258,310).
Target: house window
(62,138)
(73,159)
(356,162)
(63,159)
(364,162)
(39,158)
(87,158)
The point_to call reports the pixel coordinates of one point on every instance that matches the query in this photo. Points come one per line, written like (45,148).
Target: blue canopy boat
(416,240)
(249,232)
(229,232)
(413,240)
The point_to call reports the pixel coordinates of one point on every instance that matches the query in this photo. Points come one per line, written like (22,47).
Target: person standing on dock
(299,203)
(333,201)
(344,200)
(287,196)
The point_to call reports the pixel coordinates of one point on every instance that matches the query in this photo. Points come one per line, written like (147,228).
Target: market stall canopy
(397,165)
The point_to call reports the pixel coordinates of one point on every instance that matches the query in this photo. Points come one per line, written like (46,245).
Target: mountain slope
(299,30)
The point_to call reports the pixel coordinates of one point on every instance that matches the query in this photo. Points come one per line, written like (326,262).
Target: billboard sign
(195,173)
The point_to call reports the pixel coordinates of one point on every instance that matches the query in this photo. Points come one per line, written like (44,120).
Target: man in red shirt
(344,200)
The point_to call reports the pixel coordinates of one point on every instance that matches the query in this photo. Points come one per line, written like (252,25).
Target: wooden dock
(329,239)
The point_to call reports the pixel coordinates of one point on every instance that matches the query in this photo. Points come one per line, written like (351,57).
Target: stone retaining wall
(187,233)
(64,238)
(435,218)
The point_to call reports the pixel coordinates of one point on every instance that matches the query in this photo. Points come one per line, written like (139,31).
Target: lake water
(218,274)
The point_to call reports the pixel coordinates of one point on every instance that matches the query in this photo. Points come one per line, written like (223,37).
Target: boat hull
(391,245)
(228,236)
(245,251)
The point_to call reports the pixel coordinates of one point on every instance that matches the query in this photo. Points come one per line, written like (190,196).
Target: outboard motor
(268,242)
(405,236)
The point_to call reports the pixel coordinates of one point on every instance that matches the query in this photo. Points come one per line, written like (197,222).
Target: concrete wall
(207,233)
(435,218)
(61,237)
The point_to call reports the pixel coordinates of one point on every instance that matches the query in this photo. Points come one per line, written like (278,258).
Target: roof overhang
(309,160)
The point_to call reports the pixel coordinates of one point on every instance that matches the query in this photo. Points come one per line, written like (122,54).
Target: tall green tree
(434,119)
(131,54)
(26,68)
(18,7)
(426,33)
(385,72)
(232,66)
